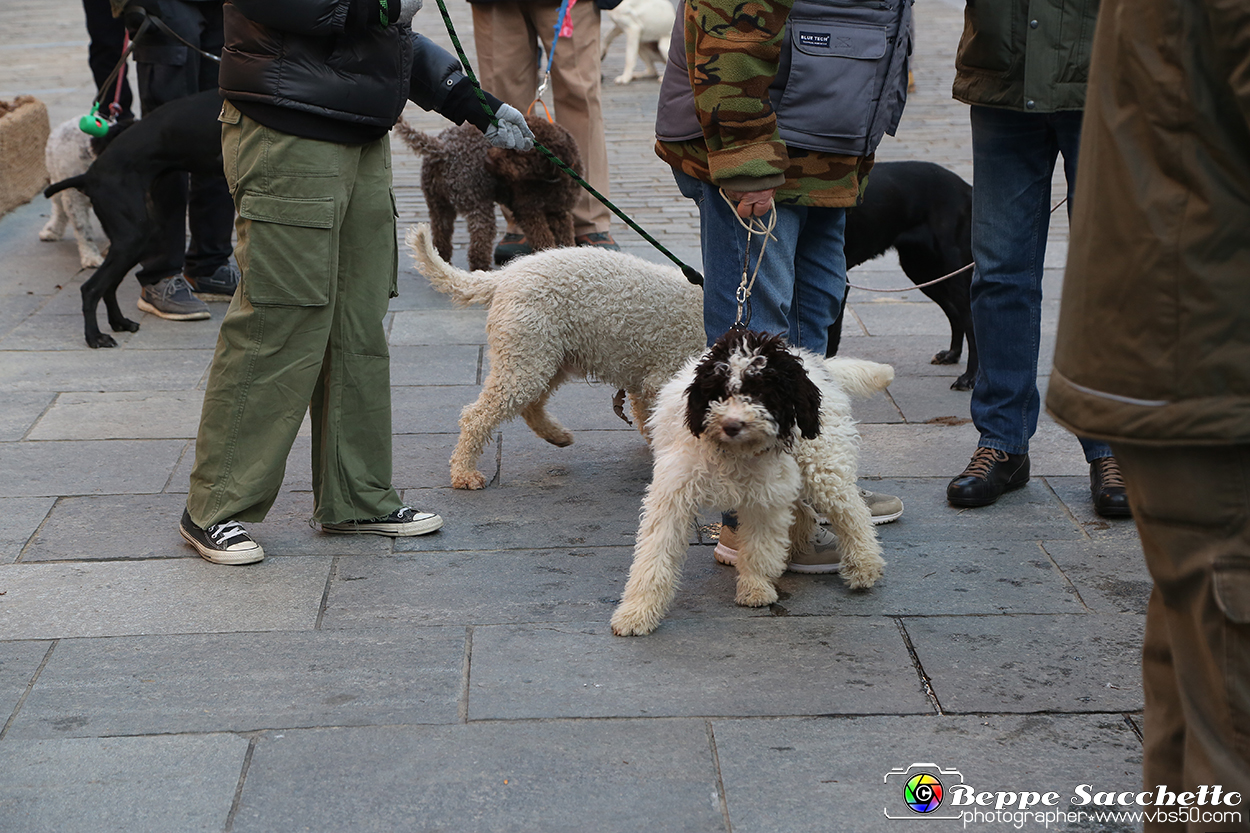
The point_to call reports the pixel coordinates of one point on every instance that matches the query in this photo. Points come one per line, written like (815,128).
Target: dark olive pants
(1192,507)
(317,250)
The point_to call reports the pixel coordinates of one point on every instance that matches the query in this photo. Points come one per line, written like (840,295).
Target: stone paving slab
(19,662)
(99,415)
(52,601)
(693,667)
(110,370)
(435,365)
(19,518)
(615,776)
(1074,492)
(908,355)
(30,469)
(1089,663)
(184,783)
(814,775)
(18,412)
(1109,575)
(943,450)
(438,327)
(241,682)
(1027,514)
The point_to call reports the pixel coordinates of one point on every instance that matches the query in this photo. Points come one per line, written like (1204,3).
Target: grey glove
(407,9)
(510,132)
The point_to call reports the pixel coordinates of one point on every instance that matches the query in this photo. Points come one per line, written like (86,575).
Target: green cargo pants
(317,251)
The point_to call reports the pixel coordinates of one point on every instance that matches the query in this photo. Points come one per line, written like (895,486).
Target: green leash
(690,272)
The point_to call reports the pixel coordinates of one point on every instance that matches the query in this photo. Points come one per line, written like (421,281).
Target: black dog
(924,212)
(182,135)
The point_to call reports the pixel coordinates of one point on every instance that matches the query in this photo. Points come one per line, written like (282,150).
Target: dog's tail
(860,378)
(72,182)
(465,288)
(421,143)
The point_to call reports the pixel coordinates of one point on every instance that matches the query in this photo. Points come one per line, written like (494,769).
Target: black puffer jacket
(325,59)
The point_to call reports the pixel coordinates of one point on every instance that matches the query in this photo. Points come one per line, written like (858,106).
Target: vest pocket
(833,88)
(288,252)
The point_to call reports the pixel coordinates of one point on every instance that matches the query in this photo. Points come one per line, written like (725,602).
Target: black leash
(690,272)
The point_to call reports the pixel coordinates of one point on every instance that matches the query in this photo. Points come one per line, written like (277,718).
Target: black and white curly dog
(764,428)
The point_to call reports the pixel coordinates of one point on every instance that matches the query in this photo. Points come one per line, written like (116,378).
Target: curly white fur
(68,153)
(561,314)
(774,482)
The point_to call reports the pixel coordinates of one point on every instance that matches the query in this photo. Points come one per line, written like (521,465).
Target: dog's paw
(124,325)
(862,573)
(560,439)
(48,235)
(468,480)
(755,593)
(100,340)
(91,261)
(631,620)
(964,382)
(946,357)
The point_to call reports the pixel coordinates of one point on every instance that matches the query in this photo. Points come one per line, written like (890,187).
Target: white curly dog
(560,314)
(766,429)
(69,153)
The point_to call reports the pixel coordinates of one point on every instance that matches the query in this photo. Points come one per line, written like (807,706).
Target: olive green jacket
(1028,55)
(1154,326)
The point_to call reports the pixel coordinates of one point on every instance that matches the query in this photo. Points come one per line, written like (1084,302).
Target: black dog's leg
(103,286)
(835,333)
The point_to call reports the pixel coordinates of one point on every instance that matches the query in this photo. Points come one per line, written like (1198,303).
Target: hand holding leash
(752,203)
(509,130)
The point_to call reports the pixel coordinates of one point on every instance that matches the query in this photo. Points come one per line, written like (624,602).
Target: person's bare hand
(752,203)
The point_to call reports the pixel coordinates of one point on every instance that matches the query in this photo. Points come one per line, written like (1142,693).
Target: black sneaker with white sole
(223,543)
(402,523)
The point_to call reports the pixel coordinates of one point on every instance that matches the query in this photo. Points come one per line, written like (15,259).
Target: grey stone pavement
(468,681)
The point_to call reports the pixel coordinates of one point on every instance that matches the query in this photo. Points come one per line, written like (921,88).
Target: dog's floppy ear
(791,396)
(708,386)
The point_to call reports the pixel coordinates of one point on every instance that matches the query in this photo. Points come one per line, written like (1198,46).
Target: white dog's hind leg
(851,521)
(633,33)
(55,227)
(540,420)
(663,538)
(764,537)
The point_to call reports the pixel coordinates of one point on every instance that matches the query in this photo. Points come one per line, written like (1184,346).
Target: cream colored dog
(766,429)
(68,153)
(647,25)
(560,314)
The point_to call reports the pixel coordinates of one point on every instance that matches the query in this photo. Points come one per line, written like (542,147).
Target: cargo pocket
(834,82)
(1231,581)
(395,249)
(289,256)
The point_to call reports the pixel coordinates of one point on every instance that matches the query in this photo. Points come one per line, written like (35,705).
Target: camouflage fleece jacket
(732,51)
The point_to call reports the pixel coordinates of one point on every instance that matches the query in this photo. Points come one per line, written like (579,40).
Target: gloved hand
(407,9)
(511,132)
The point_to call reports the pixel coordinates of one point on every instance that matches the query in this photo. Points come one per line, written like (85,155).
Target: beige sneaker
(883,508)
(819,556)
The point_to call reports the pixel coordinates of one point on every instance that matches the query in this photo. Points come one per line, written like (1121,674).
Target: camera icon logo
(922,788)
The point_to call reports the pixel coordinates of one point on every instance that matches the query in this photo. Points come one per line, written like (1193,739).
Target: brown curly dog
(463,174)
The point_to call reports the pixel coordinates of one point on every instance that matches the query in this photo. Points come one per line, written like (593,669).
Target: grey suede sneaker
(402,523)
(820,555)
(171,298)
(219,286)
(883,508)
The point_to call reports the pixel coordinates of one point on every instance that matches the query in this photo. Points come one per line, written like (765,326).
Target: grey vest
(841,85)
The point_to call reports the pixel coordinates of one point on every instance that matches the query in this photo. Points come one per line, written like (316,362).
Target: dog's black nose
(731,427)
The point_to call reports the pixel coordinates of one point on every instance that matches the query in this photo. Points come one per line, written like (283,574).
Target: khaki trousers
(1192,507)
(506,35)
(304,332)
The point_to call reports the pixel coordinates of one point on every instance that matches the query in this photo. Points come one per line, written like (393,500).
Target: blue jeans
(1013,161)
(801,283)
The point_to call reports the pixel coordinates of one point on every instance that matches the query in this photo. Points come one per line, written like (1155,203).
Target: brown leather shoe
(990,472)
(1106,489)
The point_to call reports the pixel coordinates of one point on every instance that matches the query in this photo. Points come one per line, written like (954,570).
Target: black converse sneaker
(223,543)
(402,523)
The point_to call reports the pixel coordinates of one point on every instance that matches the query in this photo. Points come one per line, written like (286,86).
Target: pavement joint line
(325,593)
(462,702)
(925,682)
(722,800)
(1066,509)
(1132,724)
(1041,545)
(34,679)
(238,789)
